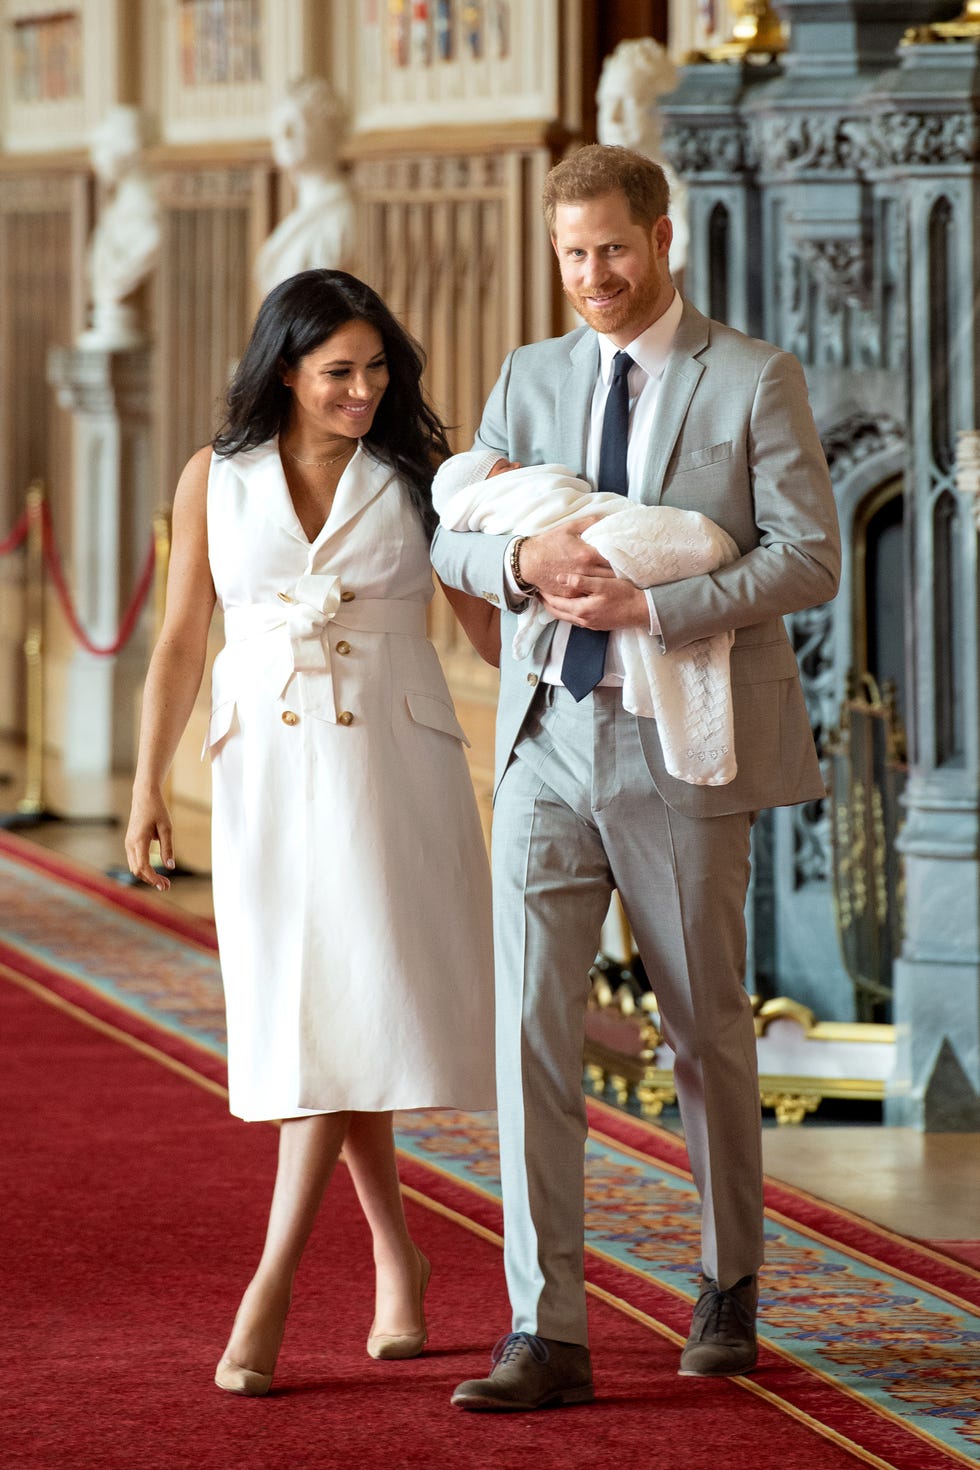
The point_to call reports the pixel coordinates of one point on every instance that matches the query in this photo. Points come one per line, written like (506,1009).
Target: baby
(688,690)
(539,497)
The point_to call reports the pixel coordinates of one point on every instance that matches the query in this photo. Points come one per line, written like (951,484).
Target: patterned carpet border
(866,1332)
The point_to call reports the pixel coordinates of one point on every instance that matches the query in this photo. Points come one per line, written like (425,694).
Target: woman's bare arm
(480,622)
(174,675)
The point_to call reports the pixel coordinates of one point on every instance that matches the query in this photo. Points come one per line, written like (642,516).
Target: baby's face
(502,466)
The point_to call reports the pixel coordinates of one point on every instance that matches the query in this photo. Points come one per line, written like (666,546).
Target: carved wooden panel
(203,304)
(42,221)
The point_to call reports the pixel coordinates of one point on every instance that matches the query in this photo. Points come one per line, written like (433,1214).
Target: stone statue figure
(633,77)
(126,240)
(306,130)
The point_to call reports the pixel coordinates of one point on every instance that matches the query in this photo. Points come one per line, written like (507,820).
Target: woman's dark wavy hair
(296,317)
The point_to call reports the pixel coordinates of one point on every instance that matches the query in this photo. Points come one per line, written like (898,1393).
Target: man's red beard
(634,304)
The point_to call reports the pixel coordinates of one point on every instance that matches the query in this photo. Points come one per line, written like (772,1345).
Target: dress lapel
(262,471)
(362,482)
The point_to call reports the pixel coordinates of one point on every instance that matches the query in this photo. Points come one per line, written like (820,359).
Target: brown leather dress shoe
(530,1373)
(722,1339)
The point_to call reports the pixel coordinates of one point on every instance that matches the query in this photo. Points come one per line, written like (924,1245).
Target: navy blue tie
(585,653)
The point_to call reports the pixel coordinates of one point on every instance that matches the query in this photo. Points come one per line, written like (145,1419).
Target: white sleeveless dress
(351,885)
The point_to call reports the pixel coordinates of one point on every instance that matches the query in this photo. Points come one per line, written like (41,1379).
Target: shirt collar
(651,348)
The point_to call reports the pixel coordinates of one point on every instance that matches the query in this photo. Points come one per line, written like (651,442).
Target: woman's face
(337,387)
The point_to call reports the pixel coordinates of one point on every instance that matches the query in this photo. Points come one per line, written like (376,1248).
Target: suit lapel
(574,400)
(682,374)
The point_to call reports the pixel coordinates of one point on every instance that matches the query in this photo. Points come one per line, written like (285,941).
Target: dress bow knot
(315,602)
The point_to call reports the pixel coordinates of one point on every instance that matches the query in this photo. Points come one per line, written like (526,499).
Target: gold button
(289,718)
(284,597)
(347,595)
(343,646)
(346,718)
(532,678)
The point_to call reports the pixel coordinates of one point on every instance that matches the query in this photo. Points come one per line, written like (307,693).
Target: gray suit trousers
(577,814)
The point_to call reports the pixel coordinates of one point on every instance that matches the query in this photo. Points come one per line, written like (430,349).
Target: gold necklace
(320,463)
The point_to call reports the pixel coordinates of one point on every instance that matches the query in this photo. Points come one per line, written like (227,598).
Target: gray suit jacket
(735,439)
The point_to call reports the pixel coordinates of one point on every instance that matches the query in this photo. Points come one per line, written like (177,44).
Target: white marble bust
(306,130)
(633,77)
(125,243)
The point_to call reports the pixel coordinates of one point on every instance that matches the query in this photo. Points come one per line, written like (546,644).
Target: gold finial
(966,27)
(756,31)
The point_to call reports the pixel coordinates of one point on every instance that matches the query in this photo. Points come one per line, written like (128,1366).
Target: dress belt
(304,613)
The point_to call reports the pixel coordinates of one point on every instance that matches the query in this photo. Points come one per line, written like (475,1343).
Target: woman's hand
(149,821)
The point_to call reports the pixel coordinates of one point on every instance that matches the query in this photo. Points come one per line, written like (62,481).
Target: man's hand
(578,585)
(559,562)
(602,603)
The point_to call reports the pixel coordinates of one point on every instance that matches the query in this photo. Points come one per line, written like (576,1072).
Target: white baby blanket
(687,690)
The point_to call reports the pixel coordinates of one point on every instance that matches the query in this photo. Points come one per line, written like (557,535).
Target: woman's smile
(337,387)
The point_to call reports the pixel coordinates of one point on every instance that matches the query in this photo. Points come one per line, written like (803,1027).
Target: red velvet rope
(131,614)
(17,535)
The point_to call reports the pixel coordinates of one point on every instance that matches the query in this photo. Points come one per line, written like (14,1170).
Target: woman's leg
(369,1153)
(308,1150)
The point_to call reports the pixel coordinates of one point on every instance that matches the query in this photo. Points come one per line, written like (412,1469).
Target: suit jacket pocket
(697,459)
(429,710)
(761,663)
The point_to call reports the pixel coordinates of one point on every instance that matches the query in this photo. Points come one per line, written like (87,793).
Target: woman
(350,880)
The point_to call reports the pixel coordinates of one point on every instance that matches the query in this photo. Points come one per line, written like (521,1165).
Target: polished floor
(923,1185)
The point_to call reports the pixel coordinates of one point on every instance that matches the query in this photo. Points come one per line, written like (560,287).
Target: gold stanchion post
(31,811)
(32,802)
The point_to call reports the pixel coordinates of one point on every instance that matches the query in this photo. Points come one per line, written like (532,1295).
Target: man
(698,416)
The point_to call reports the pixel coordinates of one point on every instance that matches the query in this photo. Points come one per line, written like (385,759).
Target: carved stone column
(932,139)
(109,396)
(835,194)
(706,141)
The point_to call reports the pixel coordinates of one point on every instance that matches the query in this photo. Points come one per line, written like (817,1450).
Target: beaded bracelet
(527,588)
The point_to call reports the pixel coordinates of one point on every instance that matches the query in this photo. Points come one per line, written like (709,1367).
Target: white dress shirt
(649,352)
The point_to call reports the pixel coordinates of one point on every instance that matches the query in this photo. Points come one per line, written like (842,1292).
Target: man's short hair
(600,169)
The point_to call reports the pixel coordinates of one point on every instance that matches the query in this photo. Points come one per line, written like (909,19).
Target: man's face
(614,272)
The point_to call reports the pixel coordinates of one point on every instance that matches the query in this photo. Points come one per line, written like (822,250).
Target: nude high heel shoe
(234,1379)
(389,1345)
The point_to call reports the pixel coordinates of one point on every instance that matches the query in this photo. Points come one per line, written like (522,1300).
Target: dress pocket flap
(428,709)
(220,723)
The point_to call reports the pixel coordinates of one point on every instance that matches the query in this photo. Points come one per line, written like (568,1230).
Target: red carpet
(133,1208)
